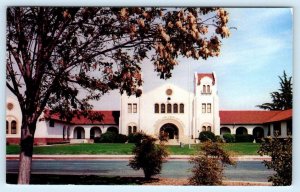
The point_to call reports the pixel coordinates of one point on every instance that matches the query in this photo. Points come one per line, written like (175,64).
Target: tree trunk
(25,159)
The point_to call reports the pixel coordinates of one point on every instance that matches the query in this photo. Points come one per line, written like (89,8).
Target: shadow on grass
(81,180)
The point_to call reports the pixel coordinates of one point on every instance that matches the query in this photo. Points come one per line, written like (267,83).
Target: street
(244,171)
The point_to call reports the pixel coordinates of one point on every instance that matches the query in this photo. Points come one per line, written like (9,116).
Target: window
(134,129)
(203,108)
(129,108)
(163,108)
(208,128)
(13,127)
(156,108)
(204,89)
(289,129)
(208,108)
(208,89)
(277,129)
(51,123)
(134,108)
(203,128)
(169,108)
(6,127)
(181,108)
(129,130)
(175,108)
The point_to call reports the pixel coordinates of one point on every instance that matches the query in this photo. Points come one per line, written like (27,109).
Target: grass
(125,149)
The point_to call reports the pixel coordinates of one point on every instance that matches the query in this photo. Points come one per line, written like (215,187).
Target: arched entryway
(258,133)
(224,130)
(241,131)
(79,133)
(95,132)
(113,129)
(170,130)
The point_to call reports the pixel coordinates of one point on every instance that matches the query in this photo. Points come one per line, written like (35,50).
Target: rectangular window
(134,108)
(203,108)
(277,129)
(51,123)
(129,108)
(208,108)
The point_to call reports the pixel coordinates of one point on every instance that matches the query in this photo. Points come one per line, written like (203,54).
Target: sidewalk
(126,157)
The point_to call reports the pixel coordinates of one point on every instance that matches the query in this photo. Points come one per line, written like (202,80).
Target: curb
(126,157)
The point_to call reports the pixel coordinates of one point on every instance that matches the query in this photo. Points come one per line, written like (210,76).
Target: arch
(204,89)
(162,108)
(208,89)
(156,108)
(209,128)
(113,129)
(175,121)
(169,108)
(203,128)
(175,108)
(170,130)
(241,131)
(13,127)
(224,130)
(181,108)
(258,133)
(95,132)
(79,133)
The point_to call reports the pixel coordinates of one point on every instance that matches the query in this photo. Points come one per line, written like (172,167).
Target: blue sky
(251,60)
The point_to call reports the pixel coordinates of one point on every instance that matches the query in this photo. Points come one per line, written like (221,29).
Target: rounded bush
(207,136)
(229,138)
(135,137)
(120,138)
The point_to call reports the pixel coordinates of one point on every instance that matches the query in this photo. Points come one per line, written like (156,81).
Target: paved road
(244,171)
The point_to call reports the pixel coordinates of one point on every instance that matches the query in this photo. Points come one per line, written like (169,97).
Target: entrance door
(170,131)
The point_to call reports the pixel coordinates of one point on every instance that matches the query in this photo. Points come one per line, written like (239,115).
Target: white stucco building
(168,109)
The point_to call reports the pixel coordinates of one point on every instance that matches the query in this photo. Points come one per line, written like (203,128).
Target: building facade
(167,110)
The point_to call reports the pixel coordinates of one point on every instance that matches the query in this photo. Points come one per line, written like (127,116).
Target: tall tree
(283,98)
(61,58)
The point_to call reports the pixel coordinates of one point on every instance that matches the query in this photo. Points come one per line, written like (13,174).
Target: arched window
(181,108)
(134,129)
(129,130)
(156,108)
(208,89)
(208,128)
(203,128)
(6,127)
(13,127)
(175,108)
(204,89)
(163,108)
(169,108)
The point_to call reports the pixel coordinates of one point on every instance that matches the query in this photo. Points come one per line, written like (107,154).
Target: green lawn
(125,149)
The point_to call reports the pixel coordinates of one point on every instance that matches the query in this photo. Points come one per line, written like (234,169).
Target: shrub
(280,151)
(229,138)
(244,138)
(120,138)
(148,156)
(135,137)
(111,137)
(208,164)
(207,136)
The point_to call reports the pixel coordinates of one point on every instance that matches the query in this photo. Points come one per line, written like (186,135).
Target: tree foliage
(283,98)
(208,164)
(63,57)
(280,151)
(148,156)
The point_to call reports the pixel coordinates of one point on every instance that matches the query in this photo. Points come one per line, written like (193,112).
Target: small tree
(209,164)
(148,156)
(281,154)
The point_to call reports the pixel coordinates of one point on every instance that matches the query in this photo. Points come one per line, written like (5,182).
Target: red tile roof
(109,117)
(253,117)
(202,75)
